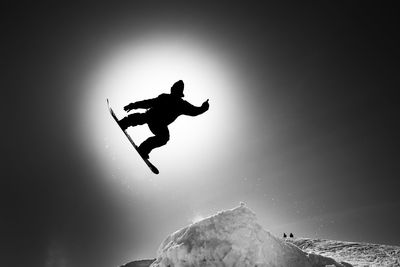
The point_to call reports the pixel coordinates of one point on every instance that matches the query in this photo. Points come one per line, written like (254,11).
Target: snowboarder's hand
(205,105)
(129,107)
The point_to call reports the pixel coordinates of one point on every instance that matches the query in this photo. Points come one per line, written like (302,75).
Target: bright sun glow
(142,70)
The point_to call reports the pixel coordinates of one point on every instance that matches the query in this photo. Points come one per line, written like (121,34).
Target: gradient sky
(303,124)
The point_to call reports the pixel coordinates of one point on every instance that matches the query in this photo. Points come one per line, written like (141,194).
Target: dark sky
(320,126)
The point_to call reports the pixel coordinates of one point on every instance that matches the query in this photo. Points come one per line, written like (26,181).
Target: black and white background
(303,123)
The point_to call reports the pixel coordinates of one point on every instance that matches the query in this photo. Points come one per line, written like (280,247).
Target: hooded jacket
(165,108)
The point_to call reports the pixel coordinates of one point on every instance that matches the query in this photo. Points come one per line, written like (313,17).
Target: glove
(205,105)
(129,107)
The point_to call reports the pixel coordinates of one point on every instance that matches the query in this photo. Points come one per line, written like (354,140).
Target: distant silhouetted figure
(291,235)
(161,111)
(284,235)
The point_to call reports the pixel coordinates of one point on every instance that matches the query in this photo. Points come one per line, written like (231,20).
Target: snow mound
(358,254)
(232,238)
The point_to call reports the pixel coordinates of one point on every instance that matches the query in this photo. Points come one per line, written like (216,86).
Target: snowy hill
(357,254)
(234,238)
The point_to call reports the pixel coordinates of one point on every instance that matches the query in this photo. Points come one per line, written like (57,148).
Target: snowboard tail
(148,163)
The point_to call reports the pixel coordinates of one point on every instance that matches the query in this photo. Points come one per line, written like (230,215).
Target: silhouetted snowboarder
(284,235)
(291,235)
(161,111)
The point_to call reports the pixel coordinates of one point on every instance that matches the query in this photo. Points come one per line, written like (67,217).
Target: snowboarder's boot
(124,123)
(143,153)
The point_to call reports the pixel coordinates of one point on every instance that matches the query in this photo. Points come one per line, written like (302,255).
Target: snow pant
(161,132)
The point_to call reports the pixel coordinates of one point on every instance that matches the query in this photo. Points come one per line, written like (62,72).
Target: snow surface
(233,238)
(358,254)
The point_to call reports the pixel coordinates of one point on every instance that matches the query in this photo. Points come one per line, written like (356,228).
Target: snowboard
(148,163)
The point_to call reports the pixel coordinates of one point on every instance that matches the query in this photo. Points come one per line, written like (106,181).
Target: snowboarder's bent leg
(160,138)
(133,120)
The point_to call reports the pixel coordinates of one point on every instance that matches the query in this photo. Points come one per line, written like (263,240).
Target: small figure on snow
(284,235)
(291,235)
(161,111)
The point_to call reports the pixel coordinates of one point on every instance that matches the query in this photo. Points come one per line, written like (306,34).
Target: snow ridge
(233,238)
(358,254)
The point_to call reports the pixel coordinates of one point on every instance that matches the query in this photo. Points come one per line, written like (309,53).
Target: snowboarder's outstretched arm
(191,110)
(148,103)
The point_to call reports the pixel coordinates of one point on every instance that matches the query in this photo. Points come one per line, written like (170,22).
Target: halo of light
(138,70)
